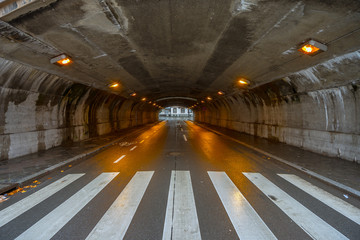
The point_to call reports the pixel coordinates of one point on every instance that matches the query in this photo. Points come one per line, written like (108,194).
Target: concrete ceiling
(166,49)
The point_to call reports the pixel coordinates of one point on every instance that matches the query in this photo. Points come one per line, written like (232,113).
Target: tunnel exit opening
(176,112)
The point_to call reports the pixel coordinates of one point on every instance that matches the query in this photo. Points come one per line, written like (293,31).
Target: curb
(28,179)
(328,181)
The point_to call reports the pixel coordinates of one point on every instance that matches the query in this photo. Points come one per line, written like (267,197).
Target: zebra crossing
(181,220)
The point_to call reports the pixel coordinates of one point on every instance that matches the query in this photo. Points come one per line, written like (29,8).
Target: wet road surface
(180,181)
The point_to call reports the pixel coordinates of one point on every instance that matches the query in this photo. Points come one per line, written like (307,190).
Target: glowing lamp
(133,94)
(312,47)
(221,93)
(61,60)
(243,81)
(143,99)
(209,98)
(114,85)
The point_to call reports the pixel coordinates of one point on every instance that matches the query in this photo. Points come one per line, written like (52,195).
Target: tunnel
(237,64)
(173,55)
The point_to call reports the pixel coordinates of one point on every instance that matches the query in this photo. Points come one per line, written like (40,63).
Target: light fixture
(133,94)
(209,98)
(143,99)
(243,81)
(202,101)
(220,93)
(312,47)
(114,85)
(61,60)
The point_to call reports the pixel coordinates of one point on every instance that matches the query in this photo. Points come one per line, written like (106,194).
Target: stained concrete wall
(39,111)
(317,108)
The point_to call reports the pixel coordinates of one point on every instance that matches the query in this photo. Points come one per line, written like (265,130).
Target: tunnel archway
(306,101)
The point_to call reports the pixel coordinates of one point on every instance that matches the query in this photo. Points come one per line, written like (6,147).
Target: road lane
(176,146)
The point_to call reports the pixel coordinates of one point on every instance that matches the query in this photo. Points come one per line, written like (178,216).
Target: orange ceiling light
(143,99)
(114,85)
(61,60)
(243,81)
(220,93)
(133,94)
(312,47)
(209,98)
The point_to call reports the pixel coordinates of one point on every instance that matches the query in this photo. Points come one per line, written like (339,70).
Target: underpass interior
(235,64)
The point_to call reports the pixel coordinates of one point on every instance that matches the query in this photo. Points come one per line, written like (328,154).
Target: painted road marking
(115,222)
(181,221)
(332,201)
(185,138)
(119,159)
(307,220)
(49,225)
(133,148)
(181,129)
(142,141)
(25,204)
(246,221)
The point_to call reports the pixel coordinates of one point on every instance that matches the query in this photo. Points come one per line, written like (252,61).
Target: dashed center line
(181,129)
(133,148)
(142,141)
(119,158)
(185,138)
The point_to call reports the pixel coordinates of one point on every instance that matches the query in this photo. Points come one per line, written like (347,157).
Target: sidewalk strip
(181,221)
(119,159)
(29,202)
(49,225)
(313,225)
(332,201)
(115,222)
(246,221)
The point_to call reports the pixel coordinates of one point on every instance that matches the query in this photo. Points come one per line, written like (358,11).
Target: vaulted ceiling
(176,49)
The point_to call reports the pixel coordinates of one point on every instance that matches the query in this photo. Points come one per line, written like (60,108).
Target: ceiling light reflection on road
(217,151)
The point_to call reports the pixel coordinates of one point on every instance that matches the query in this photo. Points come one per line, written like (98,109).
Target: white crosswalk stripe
(307,220)
(27,203)
(115,222)
(246,221)
(335,203)
(67,210)
(181,221)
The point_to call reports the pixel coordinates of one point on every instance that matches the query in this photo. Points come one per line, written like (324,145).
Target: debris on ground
(3,198)
(15,191)
(346,196)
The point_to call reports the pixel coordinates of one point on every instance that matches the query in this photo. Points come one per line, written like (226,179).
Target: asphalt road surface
(180,181)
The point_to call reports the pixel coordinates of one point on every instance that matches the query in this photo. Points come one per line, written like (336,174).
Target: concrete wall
(317,109)
(39,111)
